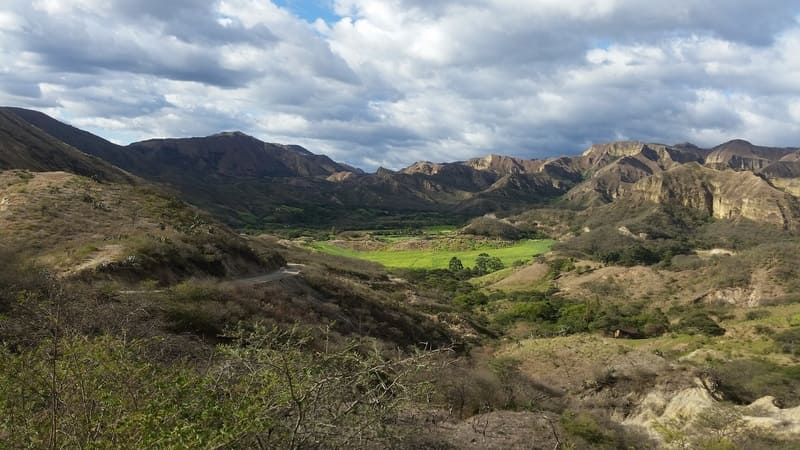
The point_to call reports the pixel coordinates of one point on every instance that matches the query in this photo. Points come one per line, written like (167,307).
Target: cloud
(393,81)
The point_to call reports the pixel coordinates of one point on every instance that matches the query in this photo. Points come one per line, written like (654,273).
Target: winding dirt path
(290,270)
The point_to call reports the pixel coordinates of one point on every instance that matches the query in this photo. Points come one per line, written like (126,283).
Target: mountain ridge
(248,182)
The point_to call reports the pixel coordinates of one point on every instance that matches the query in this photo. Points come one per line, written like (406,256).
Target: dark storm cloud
(20,87)
(170,42)
(79,56)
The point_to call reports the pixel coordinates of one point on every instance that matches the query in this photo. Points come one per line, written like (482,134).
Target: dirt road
(290,270)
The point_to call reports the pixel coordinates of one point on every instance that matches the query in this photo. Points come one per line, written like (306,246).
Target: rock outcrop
(660,409)
(612,169)
(722,194)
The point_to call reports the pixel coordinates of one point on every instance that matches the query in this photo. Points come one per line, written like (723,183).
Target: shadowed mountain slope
(231,154)
(23,146)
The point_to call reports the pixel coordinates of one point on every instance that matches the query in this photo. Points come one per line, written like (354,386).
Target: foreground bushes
(270,389)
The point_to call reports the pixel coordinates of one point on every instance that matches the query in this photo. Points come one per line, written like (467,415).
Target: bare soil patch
(523,278)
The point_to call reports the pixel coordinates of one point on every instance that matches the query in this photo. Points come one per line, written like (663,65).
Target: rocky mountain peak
(424,167)
(615,149)
(504,165)
(231,134)
(740,154)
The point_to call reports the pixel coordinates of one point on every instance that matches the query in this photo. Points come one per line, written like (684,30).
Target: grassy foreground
(439,259)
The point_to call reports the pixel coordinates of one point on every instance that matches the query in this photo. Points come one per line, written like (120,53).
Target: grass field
(439,259)
(430,231)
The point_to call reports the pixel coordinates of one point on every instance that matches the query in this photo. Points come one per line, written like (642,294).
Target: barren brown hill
(458,176)
(77,226)
(78,215)
(232,154)
(247,182)
(742,155)
(785,173)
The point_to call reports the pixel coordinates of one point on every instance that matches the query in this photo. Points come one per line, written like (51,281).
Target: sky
(389,82)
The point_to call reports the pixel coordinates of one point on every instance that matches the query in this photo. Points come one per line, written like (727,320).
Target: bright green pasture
(439,259)
(439,229)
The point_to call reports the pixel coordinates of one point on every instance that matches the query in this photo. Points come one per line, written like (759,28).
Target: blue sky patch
(310,10)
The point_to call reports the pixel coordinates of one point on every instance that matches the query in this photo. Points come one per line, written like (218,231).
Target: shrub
(585,426)
(559,265)
(632,319)
(529,312)
(471,299)
(506,369)
(763,330)
(268,389)
(573,319)
(746,380)
(699,322)
(756,314)
(789,341)
(638,254)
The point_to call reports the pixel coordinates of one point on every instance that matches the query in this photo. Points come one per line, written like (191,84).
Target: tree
(494,264)
(486,263)
(481,263)
(456,265)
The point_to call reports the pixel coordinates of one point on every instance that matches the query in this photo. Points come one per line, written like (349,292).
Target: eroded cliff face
(789,185)
(614,168)
(722,194)
(504,165)
(615,149)
(785,173)
(660,406)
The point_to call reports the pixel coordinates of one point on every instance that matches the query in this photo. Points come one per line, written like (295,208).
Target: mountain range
(250,183)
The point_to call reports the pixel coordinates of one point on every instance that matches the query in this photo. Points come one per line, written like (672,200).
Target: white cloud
(287,124)
(399,80)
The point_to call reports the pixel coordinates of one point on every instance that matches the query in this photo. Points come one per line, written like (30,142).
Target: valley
(224,292)
(412,252)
